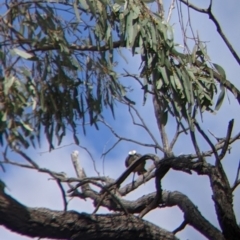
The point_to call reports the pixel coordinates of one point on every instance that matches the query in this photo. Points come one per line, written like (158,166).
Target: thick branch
(169,199)
(222,197)
(40,222)
(191,214)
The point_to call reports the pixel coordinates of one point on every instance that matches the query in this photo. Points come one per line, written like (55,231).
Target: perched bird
(131,158)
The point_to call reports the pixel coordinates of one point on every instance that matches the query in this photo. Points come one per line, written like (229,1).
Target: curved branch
(191,214)
(45,223)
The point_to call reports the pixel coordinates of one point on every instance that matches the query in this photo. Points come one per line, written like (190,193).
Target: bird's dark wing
(127,161)
(131,158)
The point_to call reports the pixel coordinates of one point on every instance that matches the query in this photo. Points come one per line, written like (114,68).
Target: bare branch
(144,126)
(76,164)
(27,158)
(63,195)
(186,2)
(196,147)
(223,202)
(219,29)
(226,142)
(192,215)
(125,139)
(175,137)
(158,198)
(170,10)
(160,8)
(112,147)
(209,142)
(218,146)
(74,225)
(237,179)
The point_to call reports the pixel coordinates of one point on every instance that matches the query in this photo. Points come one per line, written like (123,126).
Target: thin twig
(219,29)
(93,161)
(126,139)
(144,125)
(27,158)
(160,8)
(170,10)
(209,142)
(63,195)
(196,147)
(177,133)
(111,148)
(226,142)
(186,2)
(237,180)
(137,79)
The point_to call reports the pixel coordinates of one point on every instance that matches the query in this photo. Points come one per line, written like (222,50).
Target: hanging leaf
(22,53)
(220,70)
(26,126)
(8,82)
(75,5)
(220,98)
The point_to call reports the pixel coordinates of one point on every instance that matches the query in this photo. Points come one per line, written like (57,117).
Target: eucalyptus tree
(59,70)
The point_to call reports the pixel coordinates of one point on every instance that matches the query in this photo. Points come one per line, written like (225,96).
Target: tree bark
(45,223)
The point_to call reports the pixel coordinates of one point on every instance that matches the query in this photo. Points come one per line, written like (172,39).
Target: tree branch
(45,223)
(223,199)
(216,23)
(237,180)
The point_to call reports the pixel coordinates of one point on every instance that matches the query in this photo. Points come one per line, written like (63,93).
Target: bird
(131,158)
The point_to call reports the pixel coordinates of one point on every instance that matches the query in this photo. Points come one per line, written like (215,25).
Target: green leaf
(159,84)
(21,53)
(220,98)
(220,70)
(8,84)
(26,126)
(76,10)
(164,75)
(4,117)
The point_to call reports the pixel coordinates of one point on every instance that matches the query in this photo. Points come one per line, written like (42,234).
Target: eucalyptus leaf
(220,70)
(220,98)
(8,83)
(22,53)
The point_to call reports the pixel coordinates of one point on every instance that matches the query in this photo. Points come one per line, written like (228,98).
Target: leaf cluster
(59,63)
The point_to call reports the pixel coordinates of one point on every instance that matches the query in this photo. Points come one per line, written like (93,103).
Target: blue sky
(36,190)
